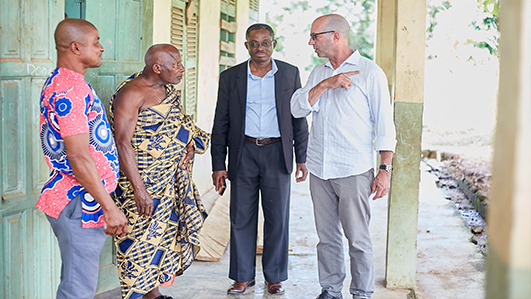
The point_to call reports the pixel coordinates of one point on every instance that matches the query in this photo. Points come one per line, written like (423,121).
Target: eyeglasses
(265,44)
(314,35)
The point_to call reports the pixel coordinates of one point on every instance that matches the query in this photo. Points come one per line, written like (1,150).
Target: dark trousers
(261,169)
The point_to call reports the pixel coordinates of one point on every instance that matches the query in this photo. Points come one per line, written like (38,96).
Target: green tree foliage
(485,20)
(488,22)
(433,9)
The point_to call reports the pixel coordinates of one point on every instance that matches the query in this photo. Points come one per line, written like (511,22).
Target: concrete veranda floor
(448,265)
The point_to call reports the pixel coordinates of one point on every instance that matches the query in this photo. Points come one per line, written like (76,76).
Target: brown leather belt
(262,141)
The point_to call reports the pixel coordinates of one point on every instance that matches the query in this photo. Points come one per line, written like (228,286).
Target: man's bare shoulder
(134,87)
(141,94)
(131,93)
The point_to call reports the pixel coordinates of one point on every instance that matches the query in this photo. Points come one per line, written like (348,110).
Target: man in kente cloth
(156,142)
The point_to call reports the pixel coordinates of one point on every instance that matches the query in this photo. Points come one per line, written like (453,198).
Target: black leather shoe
(326,295)
(240,287)
(275,288)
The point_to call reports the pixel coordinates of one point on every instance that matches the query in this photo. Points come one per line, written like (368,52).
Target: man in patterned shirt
(80,150)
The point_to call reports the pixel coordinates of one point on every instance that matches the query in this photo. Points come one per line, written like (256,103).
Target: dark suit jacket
(229,121)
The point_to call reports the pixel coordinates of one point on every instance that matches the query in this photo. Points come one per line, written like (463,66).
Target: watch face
(386,167)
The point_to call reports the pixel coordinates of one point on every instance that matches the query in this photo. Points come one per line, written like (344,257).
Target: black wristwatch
(387,168)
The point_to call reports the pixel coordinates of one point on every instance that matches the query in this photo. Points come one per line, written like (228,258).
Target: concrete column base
(401,256)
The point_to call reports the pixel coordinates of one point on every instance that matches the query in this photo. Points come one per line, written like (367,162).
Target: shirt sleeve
(382,112)
(300,107)
(71,109)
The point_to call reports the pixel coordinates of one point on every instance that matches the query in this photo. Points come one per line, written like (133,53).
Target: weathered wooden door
(126,32)
(30,258)
(29,255)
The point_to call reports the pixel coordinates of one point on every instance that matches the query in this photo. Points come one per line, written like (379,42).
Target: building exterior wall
(207,65)
(207,84)
(161,21)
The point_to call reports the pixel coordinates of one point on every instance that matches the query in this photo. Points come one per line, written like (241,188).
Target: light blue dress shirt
(261,111)
(345,123)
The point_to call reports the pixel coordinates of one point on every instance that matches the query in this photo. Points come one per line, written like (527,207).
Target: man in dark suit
(253,120)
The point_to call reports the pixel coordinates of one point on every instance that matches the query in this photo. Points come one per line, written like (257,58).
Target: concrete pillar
(509,221)
(403,22)
(386,40)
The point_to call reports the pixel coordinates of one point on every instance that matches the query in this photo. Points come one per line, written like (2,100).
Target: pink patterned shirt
(69,106)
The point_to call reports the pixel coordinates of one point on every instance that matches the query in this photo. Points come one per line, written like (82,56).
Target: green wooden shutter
(254,6)
(30,265)
(126,32)
(184,36)
(228,28)
(177,25)
(191,54)
(30,261)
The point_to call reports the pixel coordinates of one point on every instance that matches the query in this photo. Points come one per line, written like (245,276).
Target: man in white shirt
(350,102)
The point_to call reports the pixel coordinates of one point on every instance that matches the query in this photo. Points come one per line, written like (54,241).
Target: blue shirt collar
(272,72)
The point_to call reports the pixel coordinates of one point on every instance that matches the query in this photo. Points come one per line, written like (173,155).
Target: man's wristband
(387,168)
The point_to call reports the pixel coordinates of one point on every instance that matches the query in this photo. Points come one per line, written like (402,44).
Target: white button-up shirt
(345,123)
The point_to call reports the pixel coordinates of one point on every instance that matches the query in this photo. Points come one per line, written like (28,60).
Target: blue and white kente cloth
(156,248)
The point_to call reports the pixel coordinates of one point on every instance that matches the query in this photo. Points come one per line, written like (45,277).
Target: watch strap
(387,168)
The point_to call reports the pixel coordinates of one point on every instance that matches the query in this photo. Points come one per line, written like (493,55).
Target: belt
(262,141)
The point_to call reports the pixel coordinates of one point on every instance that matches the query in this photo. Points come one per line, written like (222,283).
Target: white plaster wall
(161,21)
(207,85)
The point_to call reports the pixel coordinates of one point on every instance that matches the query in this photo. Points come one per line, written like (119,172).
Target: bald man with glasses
(254,123)
(349,101)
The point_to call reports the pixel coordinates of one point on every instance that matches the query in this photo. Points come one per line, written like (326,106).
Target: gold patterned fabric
(156,248)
